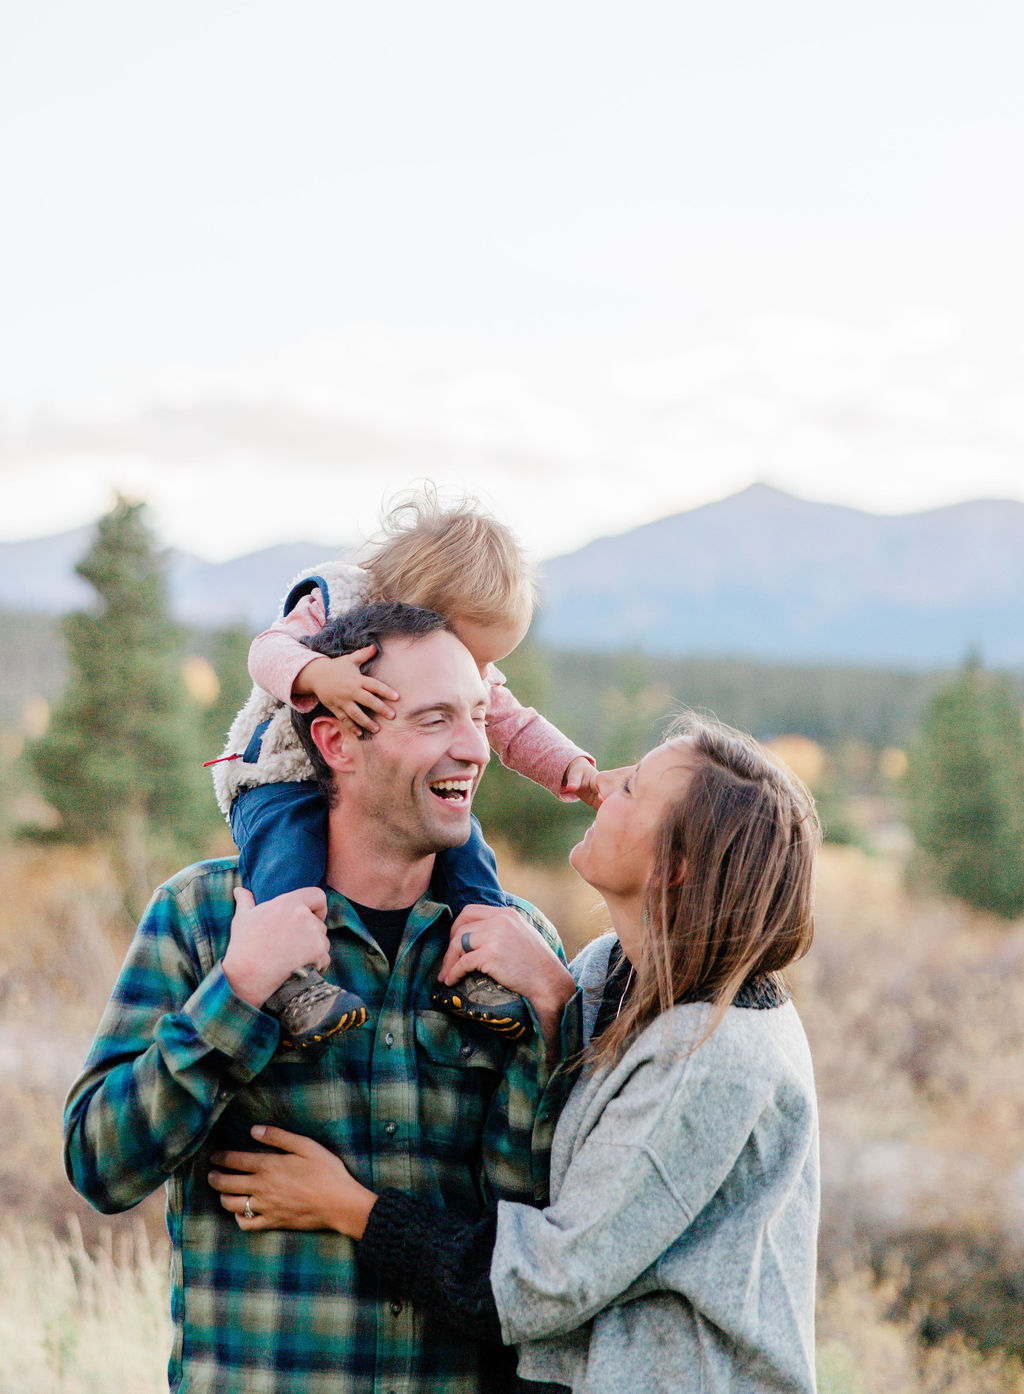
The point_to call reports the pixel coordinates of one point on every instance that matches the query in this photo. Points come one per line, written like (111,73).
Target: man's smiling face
(416,777)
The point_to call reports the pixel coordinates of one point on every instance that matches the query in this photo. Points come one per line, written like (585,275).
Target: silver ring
(467,947)
(249,1212)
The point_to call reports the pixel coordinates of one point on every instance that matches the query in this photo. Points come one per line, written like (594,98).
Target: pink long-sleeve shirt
(522,739)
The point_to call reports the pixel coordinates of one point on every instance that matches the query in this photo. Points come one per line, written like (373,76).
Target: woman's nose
(605,784)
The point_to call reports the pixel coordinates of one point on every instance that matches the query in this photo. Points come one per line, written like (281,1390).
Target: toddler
(468,567)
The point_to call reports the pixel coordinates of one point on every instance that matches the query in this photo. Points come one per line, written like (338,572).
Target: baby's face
(489,643)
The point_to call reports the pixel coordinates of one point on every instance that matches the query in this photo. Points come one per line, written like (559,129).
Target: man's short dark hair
(355,629)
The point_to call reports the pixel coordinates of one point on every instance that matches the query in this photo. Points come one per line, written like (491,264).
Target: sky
(594,263)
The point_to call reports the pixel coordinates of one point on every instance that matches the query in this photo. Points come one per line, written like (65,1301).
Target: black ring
(467,947)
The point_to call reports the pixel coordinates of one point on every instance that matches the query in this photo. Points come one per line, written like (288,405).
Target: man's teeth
(452,788)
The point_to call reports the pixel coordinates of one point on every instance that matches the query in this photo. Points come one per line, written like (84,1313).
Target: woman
(678,1250)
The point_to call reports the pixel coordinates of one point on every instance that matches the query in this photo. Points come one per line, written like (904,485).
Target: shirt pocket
(459,1067)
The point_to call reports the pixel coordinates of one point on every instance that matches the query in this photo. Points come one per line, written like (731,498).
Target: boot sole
(355,1016)
(502,1024)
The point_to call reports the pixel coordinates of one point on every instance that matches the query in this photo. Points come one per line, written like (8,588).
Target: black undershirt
(386,926)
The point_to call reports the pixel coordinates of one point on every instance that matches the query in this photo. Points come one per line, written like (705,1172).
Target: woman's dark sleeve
(436,1259)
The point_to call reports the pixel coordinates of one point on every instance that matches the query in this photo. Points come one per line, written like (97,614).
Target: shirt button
(389,1039)
(396,1309)
(466,1049)
(391,1129)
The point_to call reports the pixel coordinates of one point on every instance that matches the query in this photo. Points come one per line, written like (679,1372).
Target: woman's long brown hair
(730,895)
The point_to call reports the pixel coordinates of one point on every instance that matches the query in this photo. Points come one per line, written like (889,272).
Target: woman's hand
(497,940)
(301,1186)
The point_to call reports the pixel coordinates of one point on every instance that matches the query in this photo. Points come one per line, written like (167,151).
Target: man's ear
(336,741)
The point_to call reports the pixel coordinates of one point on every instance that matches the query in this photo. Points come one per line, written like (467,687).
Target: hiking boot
(478,997)
(311,1010)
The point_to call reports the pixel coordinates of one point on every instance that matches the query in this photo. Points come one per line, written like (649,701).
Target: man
(185,1063)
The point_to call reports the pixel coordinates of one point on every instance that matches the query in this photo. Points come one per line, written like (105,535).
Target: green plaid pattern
(416,1099)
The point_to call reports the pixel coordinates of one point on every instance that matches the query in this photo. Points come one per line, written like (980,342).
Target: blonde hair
(453,558)
(730,897)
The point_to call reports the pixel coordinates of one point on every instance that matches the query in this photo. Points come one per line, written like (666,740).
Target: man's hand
(340,685)
(499,941)
(269,941)
(580,778)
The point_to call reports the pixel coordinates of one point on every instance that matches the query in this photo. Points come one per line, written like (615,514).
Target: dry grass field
(915,1010)
(75,1320)
(78,1320)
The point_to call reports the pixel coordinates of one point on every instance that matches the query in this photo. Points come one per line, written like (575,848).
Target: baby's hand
(581,779)
(344,690)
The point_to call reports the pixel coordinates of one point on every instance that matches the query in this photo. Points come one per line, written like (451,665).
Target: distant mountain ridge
(760,574)
(763,574)
(39,575)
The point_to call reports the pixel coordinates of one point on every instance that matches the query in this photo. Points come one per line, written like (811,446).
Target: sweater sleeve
(525,742)
(277,656)
(661,1148)
(436,1259)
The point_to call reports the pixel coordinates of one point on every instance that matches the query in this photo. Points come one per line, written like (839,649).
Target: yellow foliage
(35,717)
(893,763)
(201,682)
(803,756)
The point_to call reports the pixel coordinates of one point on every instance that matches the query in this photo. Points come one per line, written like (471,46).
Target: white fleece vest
(281,757)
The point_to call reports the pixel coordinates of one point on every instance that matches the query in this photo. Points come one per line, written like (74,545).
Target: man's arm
(174,1046)
(520,1122)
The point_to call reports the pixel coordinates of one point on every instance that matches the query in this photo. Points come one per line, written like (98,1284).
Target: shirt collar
(340,915)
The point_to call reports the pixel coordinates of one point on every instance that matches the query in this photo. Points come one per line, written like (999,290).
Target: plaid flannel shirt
(415,1099)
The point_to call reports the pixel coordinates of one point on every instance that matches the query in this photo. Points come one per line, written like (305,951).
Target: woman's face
(617,853)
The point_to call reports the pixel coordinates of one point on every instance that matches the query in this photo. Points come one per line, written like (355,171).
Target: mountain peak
(761,574)
(766,574)
(762,492)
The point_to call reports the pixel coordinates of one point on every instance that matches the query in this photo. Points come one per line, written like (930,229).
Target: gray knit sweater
(678,1251)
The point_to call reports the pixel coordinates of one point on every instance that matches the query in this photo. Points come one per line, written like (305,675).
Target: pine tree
(966,786)
(119,762)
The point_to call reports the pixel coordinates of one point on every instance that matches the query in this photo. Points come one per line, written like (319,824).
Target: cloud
(895,413)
